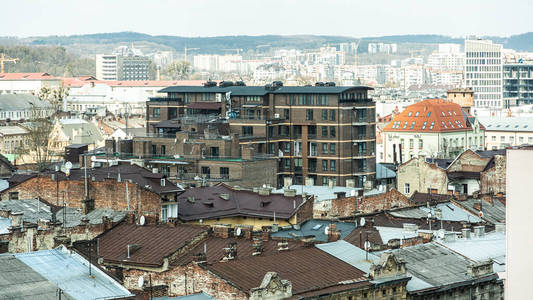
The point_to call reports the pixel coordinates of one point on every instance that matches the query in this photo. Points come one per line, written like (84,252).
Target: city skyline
(209,18)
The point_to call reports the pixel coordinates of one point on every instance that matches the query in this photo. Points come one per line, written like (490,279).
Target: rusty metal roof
(156,242)
(308,269)
(221,201)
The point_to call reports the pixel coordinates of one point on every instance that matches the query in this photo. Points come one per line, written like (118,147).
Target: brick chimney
(130,218)
(17,219)
(265,233)
(221,231)
(333,234)
(107,222)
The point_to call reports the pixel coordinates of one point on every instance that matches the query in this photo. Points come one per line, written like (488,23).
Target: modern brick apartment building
(324,133)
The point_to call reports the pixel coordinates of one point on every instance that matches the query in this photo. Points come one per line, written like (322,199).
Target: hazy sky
(252,17)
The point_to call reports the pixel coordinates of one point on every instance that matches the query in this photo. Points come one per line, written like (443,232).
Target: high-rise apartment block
(122,65)
(483,72)
(320,134)
(518,83)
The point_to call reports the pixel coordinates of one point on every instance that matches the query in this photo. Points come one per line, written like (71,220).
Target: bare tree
(180,70)
(38,139)
(54,96)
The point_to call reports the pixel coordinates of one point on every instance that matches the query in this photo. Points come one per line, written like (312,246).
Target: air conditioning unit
(276,116)
(219,97)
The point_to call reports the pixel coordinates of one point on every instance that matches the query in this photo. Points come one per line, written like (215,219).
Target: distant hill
(521,42)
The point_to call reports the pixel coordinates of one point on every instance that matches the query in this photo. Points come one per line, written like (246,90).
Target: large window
(207,96)
(324,165)
(322,100)
(247,130)
(224,172)
(309,114)
(324,148)
(332,148)
(324,115)
(157,112)
(324,131)
(332,115)
(333,165)
(332,131)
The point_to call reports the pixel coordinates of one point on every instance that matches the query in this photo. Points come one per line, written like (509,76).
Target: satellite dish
(367,245)
(481,214)
(140,282)
(362,222)
(440,234)
(326,230)
(142,220)
(68,165)
(93,158)
(238,231)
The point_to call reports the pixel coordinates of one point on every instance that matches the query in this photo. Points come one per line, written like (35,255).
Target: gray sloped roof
(19,281)
(435,264)
(33,209)
(11,102)
(383,172)
(492,212)
(73,216)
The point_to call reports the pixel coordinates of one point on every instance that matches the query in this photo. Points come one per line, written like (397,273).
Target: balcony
(164,99)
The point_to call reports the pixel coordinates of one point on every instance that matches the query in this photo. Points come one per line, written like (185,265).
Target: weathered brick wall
(468,161)
(421,176)
(306,211)
(184,280)
(33,239)
(493,179)
(106,194)
(345,207)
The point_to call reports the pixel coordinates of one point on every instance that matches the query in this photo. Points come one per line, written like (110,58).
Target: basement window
(13,195)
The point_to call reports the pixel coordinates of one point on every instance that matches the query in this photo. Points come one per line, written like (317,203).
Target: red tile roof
(432,115)
(81,81)
(26,76)
(156,242)
(308,269)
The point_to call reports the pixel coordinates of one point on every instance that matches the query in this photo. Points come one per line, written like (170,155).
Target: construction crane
(4,58)
(238,50)
(188,49)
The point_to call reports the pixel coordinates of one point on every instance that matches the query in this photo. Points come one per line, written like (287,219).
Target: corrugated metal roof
(489,246)
(350,254)
(315,228)
(5,223)
(450,212)
(70,272)
(391,233)
(434,264)
(74,216)
(492,212)
(19,281)
(33,209)
(383,172)
(15,102)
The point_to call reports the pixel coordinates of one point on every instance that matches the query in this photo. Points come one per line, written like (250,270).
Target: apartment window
(502,138)
(511,139)
(187,98)
(324,148)
(292,99)
(324,131)
(13,195)
(530,140)
(333,165)
(332,115)
(324,165)
(154,149)
(287,163)
(332,131)
(493,138)
(322,100)
(157,112)
(286,113)
(324,115)
(287,146)
(206,171)
(224,172)
(163,149)
(324,180)
(411,143)
(207,96)
(406,188)
(298,163)
(420,143)
(214,151)
(309,114)
(247,130)
(332,148)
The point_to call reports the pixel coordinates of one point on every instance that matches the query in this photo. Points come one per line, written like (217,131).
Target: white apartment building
(502,132)
(26,83)
(106,67)
(448,58)
(20,107)
(217,63)
(483,72)
(433,127)
(448,78)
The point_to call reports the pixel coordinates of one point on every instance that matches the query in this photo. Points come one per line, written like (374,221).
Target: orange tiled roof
(432,115)
(26,76)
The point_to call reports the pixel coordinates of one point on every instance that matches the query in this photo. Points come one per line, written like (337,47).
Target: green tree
(38,139)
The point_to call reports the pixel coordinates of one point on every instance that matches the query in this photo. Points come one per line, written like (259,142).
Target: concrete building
(12,138)
(483,72)
(431,128)
(447,58)
(518,83)
(26,83)
(122,67)
(322,133)
(502,132)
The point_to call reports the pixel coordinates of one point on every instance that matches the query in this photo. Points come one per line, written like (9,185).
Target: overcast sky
(357,18)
